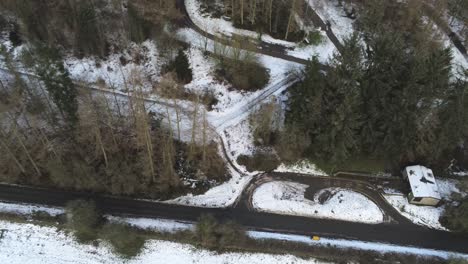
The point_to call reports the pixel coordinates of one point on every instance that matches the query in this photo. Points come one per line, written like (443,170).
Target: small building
(424,189)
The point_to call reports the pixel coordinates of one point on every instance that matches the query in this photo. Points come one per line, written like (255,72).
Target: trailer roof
(423,182)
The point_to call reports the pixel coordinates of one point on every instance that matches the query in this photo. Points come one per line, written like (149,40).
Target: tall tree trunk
(253,10)
(178,118)
(275,26)
(110,123)
(232,9)
(194,127)
(242,11)
(12,155)
(28,155)
(3,87)
(291,16)
(48,143)
(204,135)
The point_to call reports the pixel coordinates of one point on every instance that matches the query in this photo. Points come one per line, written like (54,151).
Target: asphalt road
(409,235)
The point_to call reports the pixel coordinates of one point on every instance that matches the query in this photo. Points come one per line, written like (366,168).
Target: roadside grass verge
(356,164)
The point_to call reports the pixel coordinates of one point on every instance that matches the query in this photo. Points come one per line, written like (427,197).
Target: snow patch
(223,195)
(31,244)
(161,225)
(303,167)
(288,198)
(28,209)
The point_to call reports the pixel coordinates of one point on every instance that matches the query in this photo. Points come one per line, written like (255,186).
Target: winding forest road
(264,48)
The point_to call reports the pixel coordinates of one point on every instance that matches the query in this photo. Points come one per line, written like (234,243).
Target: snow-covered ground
(239,141)
(120,70)
(221,27)
(323,51)
(31,244)
(457,26)
(341,25)
(423,215)
(303,167)
(160,225)
(203,68)
(342,204)
(223,195)
(461,173)
(27,209)
(236,106)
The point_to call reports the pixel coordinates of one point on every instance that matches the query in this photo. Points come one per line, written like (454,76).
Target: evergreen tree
(88,39)
(344,101)
(328,105)
(58,83)
(402,90)
(182,67)
(453,116)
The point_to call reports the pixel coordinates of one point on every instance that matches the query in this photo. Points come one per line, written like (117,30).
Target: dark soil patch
(325,196)
(259,162)
(244,75)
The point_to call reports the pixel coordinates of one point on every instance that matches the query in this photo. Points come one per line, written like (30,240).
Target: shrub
(123,238)
(315,37)
(3,23)
(205,231)
(213,235)
(259,162)
(264,122)
(83,219)
(292,144)
(42,216)
(457,261)
(245,75)
(230,234)
(182,67)
(456,217)
(15,37)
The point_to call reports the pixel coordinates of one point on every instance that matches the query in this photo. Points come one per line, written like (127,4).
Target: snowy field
(31,244)
(288,198)
(423,215)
